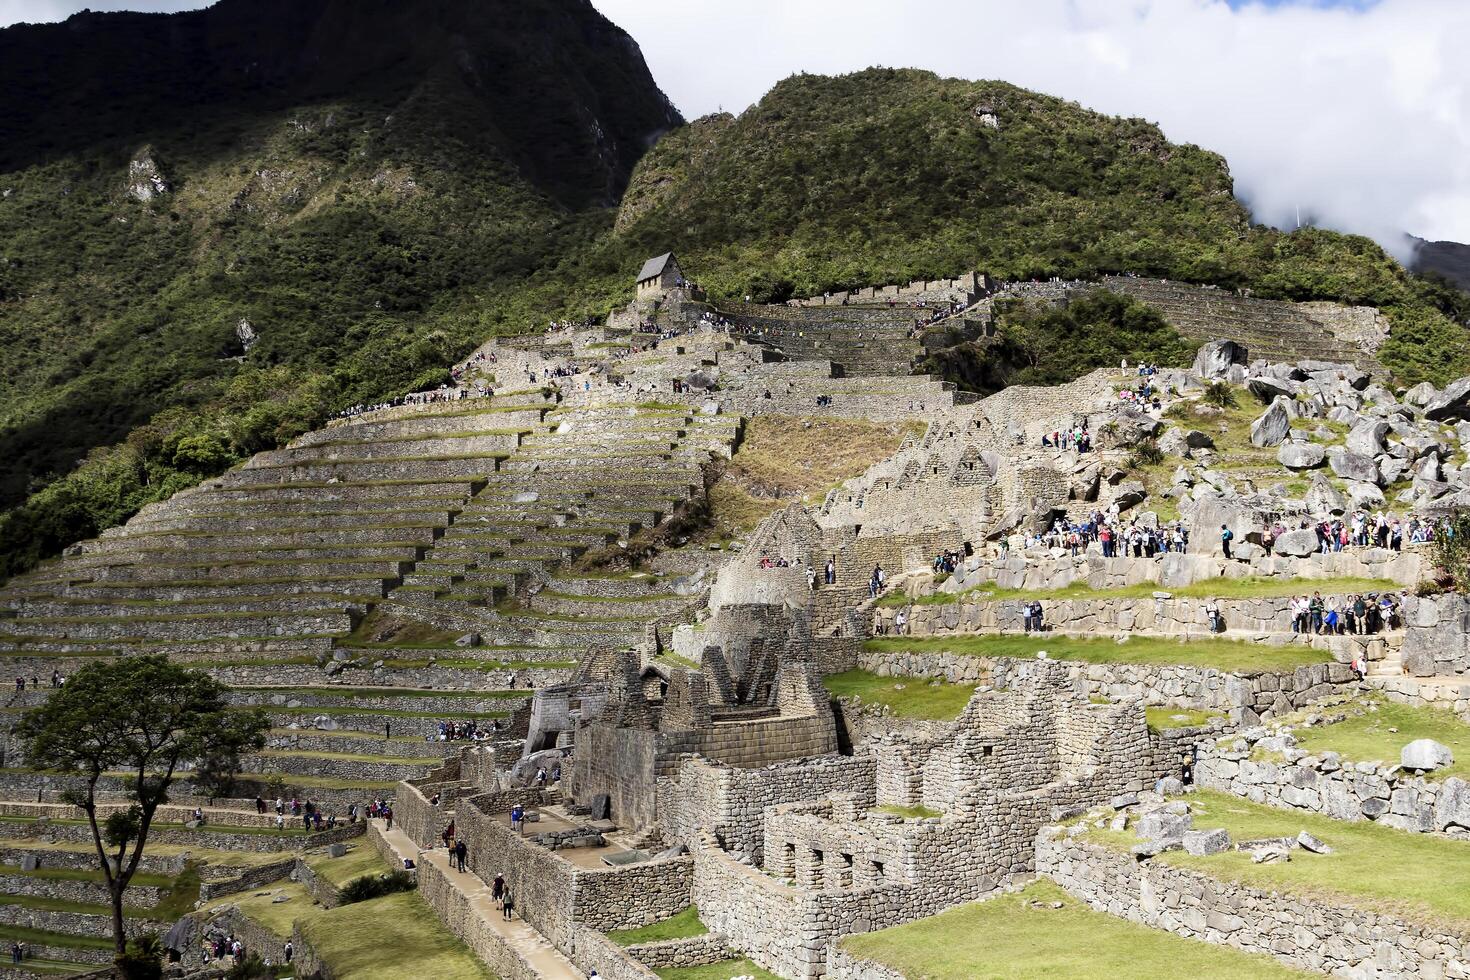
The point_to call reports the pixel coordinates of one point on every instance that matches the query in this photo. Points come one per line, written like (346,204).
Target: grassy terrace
(1419,876)
(907,812)
(408,941)
(1250,587)
(345,757)
(907,697)
(1021,937)
(1162,717)
(680,926)
(361,859)
(379,692)
(723,970)
(1227,655)
(376,712)
(1376,730)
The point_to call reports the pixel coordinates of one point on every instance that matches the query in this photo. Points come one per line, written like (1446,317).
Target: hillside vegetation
(374,189)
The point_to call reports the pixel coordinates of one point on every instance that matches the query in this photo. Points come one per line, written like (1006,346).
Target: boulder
(30,862)
(1365,496)
(1452,804)
(1267,388)
(1271,854)
(1271,428)
(1324,498)
(337,850)
(1164,824)
(1421,394)
(1215,358)
(1352,466)
(1451,404)
(1298,544)
(1129,495)
(1426,754)
(1301,455)
(1368,437)
(1203,842)
(468,640)
(1307,842)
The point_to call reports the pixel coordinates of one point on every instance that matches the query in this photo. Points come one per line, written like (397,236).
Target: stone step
(417,469)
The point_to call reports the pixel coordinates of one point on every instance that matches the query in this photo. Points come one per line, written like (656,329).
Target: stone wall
(1436,635)
(1261,693)
(453,908)
(251,878)
(1307,933)
(594,951)
(681,953)
(842,965)
(1342,790)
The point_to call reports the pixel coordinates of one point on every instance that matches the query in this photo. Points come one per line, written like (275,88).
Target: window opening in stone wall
(844,876)
(877,869)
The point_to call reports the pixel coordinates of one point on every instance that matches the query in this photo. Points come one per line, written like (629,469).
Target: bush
(376,886)
(1220,394)
(252,967)
(143,959)
(1145,454)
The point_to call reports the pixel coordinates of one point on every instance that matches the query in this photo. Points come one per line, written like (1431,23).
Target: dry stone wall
(1306,933)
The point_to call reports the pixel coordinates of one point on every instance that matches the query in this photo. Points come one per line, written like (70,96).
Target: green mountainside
(377,187)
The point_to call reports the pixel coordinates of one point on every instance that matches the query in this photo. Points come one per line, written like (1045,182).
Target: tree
(149,720)
(1450,553)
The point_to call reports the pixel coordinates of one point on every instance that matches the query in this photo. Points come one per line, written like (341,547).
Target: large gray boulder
(1324,498)
(1368,437)
(1301,455)
(1353,466)
(1421,394)
(1452,805)
(1267,388)
(1215,359)
(1426,754)
(1365,496)
(1271,428)
(1298,544)
(1452,403)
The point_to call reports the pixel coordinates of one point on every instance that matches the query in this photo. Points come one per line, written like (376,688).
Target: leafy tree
(149,720)
(1451,554)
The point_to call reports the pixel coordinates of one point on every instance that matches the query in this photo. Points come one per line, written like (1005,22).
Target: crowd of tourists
(1113,537)
(480,357)
(56,681)
(1077,438)
(1354,615)
(1364,530)
(219,946)
(464,731)
(443,393)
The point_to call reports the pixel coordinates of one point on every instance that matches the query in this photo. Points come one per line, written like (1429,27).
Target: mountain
(342,175)
(1448,259)
(219,227)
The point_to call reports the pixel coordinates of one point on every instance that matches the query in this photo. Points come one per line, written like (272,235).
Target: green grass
(1162,717)
(44,937)
(278,917)
(1227,655)
(85,874)
(1419,876)
(407,941)
(723,970)
(1009,938)
(1249,587)
(906,697)
(680,926)
(361,859)
(908,812)
(1365,736)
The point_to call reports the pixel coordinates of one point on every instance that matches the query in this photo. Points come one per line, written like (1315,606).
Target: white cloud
(1359,117)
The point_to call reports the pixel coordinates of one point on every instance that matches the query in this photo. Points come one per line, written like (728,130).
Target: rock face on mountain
(566,91)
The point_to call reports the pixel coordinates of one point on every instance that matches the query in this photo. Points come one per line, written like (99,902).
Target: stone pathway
(525,940)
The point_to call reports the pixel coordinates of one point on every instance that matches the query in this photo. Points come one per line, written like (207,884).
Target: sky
(1351,113)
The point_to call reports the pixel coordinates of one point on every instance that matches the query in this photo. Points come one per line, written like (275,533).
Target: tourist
(516,815)
(497,889)
(900,621)
(1212,614)
(830,573)
(811,577)
(290,952)
(1357,615)
(1316,607)
(461,850)
(1226,536)
(508,904)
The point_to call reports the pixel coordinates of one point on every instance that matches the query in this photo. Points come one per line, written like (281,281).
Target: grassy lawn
(910,812)
(1224,655)
(723,970)
(1008,937)
(407,941)
(1161,717)
(1419,876)
(906,697)
(278,917)
(680,926)
(1378,736)
(1250,587)
(360,859)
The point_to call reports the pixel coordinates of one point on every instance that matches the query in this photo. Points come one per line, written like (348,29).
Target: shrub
(376,886)
(1144,454)
(1220,394)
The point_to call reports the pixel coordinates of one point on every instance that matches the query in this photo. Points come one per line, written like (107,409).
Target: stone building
(659,275)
